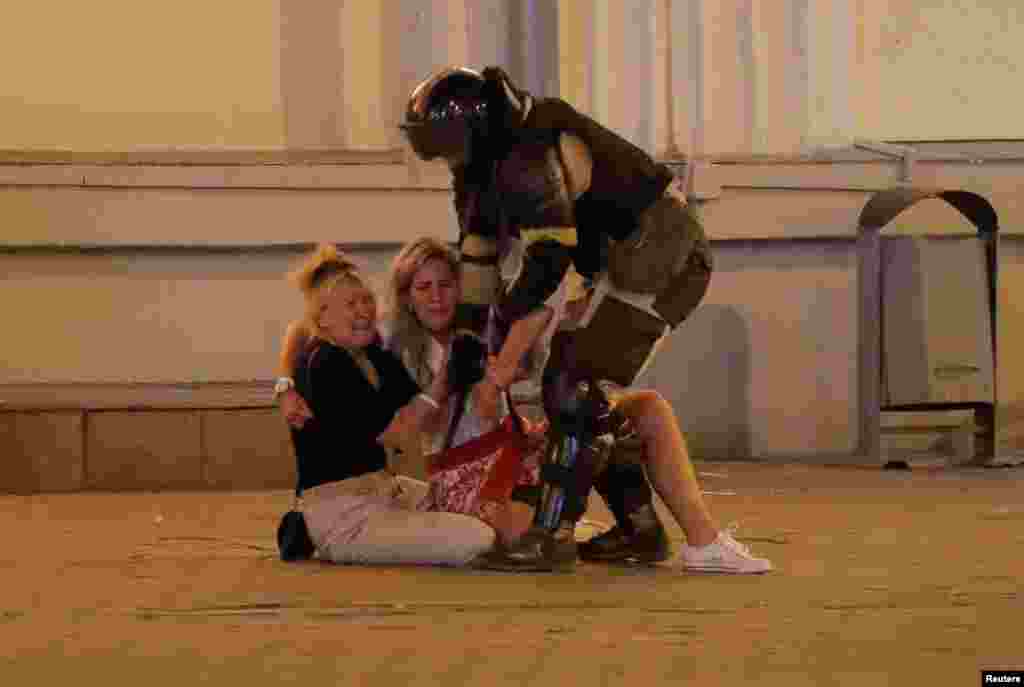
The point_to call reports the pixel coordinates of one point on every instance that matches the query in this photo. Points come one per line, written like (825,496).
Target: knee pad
(580,410)
(578,451)
(568,472)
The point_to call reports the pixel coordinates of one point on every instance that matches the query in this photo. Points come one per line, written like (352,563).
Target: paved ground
(883,578)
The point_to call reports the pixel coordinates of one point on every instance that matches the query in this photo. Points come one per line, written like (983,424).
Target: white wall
(944,70)
(765,367)
(699,77)
(121,75)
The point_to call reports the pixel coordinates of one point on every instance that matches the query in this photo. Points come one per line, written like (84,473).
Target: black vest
(515,181)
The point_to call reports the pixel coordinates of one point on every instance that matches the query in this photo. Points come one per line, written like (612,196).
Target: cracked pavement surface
(882,578)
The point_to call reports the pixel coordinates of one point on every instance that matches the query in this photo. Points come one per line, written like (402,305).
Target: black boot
(638,535)
(539,550)
(647,545)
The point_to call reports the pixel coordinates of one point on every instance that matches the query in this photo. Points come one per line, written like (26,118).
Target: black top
(348,412)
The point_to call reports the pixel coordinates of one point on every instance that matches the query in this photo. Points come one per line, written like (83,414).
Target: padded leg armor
(578,448)
(668,256)
(639,535)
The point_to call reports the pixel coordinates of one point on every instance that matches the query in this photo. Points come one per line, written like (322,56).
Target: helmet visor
(433,139)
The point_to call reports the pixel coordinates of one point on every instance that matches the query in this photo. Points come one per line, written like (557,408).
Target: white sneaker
(724,555)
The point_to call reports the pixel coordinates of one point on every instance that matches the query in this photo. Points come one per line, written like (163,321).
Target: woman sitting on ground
(363,401)
(423,290)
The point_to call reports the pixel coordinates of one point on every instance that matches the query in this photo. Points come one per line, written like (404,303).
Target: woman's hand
(486,394)
(418,413)
(502,376)
(498,378)
(293,407)
(536,427)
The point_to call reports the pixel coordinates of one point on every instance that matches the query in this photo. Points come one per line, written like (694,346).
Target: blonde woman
(423,290)
(361,400)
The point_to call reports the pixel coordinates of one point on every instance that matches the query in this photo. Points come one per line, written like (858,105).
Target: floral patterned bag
(478,477)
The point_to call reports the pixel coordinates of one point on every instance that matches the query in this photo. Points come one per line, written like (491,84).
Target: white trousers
(375,519)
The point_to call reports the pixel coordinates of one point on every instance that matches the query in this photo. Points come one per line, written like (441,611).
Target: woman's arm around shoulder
(419,407)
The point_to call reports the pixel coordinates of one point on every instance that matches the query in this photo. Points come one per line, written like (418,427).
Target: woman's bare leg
(668,463)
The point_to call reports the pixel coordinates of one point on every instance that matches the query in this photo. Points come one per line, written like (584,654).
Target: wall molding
(205,157)
(860,167)
(227,198)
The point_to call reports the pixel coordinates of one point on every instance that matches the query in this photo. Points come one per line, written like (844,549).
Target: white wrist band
(434,404)
(283,385)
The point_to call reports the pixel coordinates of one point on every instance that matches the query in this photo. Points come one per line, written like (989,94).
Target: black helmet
(443,111)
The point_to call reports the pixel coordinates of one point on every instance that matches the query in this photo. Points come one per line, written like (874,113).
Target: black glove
(467,363)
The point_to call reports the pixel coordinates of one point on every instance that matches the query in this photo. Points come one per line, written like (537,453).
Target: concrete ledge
(41,452)
(144,449)
(113,396)
(71,437)
(246,449)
